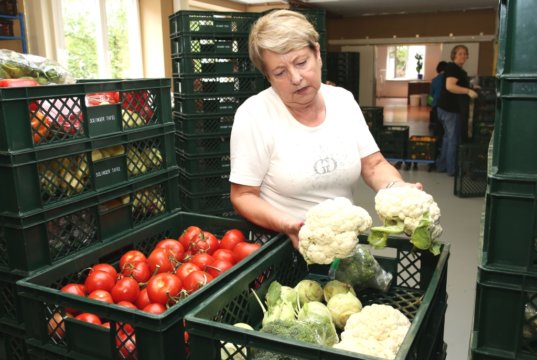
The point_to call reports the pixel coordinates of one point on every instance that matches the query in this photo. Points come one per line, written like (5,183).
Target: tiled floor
(461,222)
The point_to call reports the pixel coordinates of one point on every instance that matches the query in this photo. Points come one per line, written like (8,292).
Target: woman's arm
(451,86)
(251,206)
(378,173)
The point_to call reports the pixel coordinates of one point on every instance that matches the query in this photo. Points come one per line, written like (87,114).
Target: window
(101,39)
(401,62)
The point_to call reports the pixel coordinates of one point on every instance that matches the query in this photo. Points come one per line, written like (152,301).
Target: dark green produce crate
(504,317)
(192,125)
(12,344)
(52,235)
(418,290)
(212,65)
(220,84)
(38,179)
(422,147)
(471,173)
(188,104)
(209,45)
(482,132)
(209,22)
(516,37)
(374,117)
(202,145)
(514,133)
(158,337)
(510,225)
(393,141)
(61,110)
(206,203)
(204,164)
(10,307)
(201,184)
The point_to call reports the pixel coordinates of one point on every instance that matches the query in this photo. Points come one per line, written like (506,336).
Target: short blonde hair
(280,31)
(455,49)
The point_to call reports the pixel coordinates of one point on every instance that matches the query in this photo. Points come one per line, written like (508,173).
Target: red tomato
(106,268)
(76,289)
(174,245)
(18,82)
(202,260)
(126,289)
(244,249)
(101,295)
(138,101)
(99,280)
(190,234)
(131,256)
(186,268)
(56,325)
(206,242)
(127,304)
(162,260)
(195,280)
(155,308)
(143,299)
(218,267)
(224,254)
(139,271)
(231,238)
(164,288)
(89,318)
(126,344)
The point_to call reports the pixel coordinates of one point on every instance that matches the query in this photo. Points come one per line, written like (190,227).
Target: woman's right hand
(472,94)
(291,229)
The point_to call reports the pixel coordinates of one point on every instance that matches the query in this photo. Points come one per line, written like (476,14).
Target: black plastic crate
(50,236)
(393,141)
(510,222)
(212,65)
(504,317)
(374,117)
(193,125)
(204,164)
(419,291)
(471,175)
(64,114)
(204,104)
(209,45)
(8,7)
(39,179)
(11,312)
(220,84)
(157,337)
(482,132)
(202,145)
(12,344)
(209,22)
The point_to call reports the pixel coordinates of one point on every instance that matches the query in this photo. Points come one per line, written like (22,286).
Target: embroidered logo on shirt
(325,166)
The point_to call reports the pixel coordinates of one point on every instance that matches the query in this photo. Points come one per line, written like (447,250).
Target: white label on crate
(109,171)
(102,119)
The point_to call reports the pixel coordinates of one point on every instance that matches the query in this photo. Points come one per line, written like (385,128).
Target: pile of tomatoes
(174,269)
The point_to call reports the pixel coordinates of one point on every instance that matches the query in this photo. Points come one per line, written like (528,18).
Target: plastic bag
(14,65)
(362,270)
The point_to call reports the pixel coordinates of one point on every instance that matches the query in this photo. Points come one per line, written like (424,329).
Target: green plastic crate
(60,115)
(202,184)
(418,290)
(208,22)
(209,45)
(204,164)
(374,117)
(422,148)
(514,135)
(206,203)
(202,145)
(11,312)
(510,221)
(212,65)
(158,337)
(471,173)
(220,84)
(39,179)
(516,37)
(188,104)
(49,236)
(12,344)
(504,319)
(192,125)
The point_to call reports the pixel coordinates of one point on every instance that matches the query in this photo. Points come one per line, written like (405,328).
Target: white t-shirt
(297,166)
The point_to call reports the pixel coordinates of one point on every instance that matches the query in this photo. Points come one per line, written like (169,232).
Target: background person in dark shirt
(452,107)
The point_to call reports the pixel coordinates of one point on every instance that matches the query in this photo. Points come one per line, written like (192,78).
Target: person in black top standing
(452,108)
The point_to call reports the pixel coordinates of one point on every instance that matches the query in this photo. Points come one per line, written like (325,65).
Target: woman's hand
(417,185)
(291,229)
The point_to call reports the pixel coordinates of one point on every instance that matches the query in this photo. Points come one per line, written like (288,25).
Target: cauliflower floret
(408,210)
(331,230)
(377,330)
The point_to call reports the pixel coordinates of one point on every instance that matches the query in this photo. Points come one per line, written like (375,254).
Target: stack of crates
(505,314)
(212,76)
(81,164)
(343,68)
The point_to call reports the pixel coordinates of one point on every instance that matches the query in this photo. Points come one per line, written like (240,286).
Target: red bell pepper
(17,82)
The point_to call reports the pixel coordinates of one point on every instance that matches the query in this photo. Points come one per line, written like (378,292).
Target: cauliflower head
(331,230)
(377,330)
(407,210)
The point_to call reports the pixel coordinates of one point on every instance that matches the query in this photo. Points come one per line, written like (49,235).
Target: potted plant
(419,65)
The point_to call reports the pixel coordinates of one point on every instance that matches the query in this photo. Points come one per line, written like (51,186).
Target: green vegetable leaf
(421,237)
(377,239)
(273,294)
